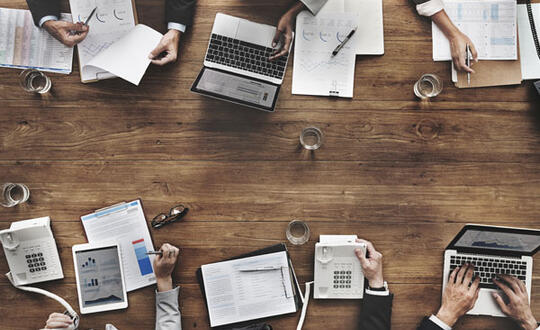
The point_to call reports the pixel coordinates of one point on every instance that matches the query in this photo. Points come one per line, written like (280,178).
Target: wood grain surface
(404,174)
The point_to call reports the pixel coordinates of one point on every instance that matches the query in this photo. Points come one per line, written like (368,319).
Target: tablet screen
(100,278)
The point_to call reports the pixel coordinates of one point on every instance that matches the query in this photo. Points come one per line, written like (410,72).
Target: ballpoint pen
(155,252)
(338,48)
(90,16)
(468,60)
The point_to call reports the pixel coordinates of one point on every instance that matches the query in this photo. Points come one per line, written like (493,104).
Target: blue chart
(144,262)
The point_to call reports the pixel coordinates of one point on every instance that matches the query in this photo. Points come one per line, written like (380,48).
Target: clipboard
(492,73)
(104,74)
(298,297)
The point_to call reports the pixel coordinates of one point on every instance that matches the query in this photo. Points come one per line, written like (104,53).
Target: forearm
(164,284)
(444,23)
(296,8)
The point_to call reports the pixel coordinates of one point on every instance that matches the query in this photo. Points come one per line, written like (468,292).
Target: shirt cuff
(170,296)
(47,18)
(430,7)
(176,26)
(378,293)
(440,323)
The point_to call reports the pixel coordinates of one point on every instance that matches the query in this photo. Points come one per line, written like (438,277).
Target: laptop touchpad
(255,33)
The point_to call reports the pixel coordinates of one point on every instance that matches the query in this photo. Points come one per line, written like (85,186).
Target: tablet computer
(100,277)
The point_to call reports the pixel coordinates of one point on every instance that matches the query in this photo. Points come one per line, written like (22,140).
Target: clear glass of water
(298,232)
(13,194)
(311,138)
(35,81)
(429,85)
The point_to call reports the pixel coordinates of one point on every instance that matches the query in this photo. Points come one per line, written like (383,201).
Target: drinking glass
(13,194)
(311,138)
(35,81)
(429,85)
(298,232)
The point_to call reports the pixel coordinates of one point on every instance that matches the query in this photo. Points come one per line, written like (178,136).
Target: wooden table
(404,174)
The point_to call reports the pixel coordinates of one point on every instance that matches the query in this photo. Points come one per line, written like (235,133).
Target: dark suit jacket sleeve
(179,11)
(376,312)
(427,324)
(42,8)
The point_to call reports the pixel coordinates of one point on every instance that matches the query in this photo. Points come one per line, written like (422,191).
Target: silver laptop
(236,67)
(493,250)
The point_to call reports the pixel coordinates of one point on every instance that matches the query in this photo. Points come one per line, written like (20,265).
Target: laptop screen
(500,239)
(236,88)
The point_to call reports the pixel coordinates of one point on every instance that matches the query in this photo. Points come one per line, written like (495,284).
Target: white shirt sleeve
(430,7)
(176,26)
(538,328)
(440,323)
(47,18)
(378,293)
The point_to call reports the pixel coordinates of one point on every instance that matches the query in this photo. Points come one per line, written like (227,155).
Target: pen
(338,48)
(155,252)
(90,16)
(260,269)
(468,49)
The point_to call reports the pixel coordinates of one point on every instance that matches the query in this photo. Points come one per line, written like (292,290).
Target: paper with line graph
(315,70)
(490,24)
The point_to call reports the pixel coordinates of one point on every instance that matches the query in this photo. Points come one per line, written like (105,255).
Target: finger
(160,48)
(452,277)
(461,274)
(462,64)
(475,285)
(57,324)
(277,38)
(468,275)
(369,246)
(474,52)
(78,27)
(53,315)
(76,38)
(278,55)
(501,303)
(505,288)
(360,254)
(512,281)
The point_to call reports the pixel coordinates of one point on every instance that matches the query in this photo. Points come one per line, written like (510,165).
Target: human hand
(458,49)
(371,264)
(58,321)
(164,266)
(458,297)
(518,302)
(63,31)
(167,49)
(283,37)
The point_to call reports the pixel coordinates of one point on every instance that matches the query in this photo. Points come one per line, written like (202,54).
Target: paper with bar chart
(125,224)
(490,24)
(315,70)
(23,45)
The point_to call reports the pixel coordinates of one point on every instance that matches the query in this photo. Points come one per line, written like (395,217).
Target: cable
(304,307)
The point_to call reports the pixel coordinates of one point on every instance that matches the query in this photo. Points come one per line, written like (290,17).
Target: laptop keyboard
(245,56)
(487,268)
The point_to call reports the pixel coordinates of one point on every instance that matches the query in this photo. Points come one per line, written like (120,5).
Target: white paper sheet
(23,45)
(234,296)
(125,224)
(127,58)
(111,21)
(315,70)
(370,33)
(490,24)
(530,63)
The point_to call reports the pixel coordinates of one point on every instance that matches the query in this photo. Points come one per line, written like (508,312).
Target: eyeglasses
(175,214)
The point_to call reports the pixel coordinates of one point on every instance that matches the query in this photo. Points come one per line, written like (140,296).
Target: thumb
(160,48)
(77,27)
(360,254)
(500,302)
(276,39)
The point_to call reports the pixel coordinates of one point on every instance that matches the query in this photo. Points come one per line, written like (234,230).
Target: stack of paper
(23,45)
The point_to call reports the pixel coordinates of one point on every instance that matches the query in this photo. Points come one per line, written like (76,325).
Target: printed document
(125,223)
(23,45)
(530,63)
(235,296)
(315,70)
(490,24)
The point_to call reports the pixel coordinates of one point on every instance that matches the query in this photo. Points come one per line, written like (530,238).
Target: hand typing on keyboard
(460,295)
(518,302)
(284,32)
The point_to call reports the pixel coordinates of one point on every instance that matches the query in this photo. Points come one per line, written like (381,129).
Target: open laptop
(236,67)
(493,250)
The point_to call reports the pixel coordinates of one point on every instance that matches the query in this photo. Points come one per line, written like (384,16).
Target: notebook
(530,61)
(235,292)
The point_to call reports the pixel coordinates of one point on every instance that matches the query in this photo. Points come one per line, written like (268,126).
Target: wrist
(164,283)
(48,24)
(446,316)
(376,282)
(529,324)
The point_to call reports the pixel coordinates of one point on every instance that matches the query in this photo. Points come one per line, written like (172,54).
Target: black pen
(338,48)
(90,16)
(155,252)
(468,62)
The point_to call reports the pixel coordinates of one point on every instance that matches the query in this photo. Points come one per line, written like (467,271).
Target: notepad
(490,24)
(234,295)
(530,63)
